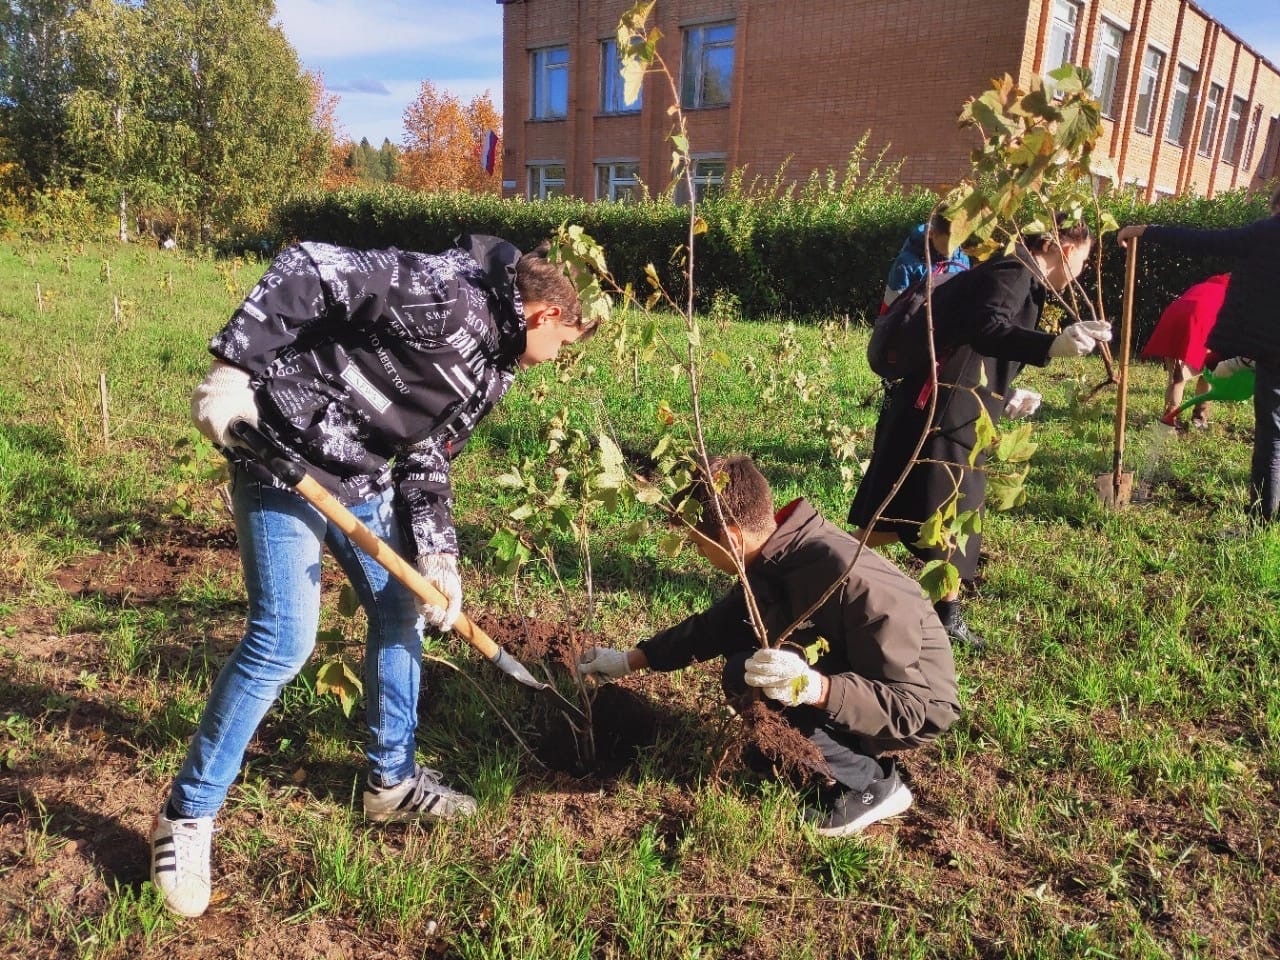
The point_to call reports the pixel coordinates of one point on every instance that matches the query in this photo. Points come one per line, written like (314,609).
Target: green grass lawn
(1110,790)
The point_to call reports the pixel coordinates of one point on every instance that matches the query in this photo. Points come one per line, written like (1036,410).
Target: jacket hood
(915,241)
(796,522)
(914,244)
(497,259)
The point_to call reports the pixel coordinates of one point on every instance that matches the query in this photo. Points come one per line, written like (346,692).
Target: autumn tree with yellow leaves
(442,142)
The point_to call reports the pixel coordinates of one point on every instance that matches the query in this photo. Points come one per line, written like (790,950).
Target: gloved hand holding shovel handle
(294,473)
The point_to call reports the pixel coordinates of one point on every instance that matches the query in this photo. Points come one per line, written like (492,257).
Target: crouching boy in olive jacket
(886,680)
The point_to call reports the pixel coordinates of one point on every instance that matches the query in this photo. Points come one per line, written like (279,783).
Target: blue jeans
(281,539)
(1264,478)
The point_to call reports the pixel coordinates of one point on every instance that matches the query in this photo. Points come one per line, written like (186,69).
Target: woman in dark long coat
(986,320)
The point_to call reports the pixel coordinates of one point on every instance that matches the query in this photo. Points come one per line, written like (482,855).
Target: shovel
(294,473)
(1116,488)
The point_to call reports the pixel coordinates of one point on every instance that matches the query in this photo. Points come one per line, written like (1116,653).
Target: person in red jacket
(1246,329)
(1179,340)
(886,680)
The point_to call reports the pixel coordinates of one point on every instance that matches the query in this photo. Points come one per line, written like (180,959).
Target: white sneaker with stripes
(180,862)
(423,796)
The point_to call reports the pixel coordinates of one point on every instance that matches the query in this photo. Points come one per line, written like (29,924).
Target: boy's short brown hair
(539,280)
(745,498)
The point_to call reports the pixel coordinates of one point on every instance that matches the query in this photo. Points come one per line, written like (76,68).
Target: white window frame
(618,180)
(1109,56)
(544,183)
(1231,138)
(709,173)
(547,65)
(1212,107)
(1149,89)
(612,99)
(1180,104)
(699,46)
(1061,45)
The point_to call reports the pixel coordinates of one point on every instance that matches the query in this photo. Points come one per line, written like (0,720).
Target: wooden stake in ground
(106,419)
(1115,488)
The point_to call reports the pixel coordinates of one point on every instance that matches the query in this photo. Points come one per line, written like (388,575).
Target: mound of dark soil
(634,713)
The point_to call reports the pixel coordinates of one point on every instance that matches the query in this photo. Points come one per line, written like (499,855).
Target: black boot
(957,630)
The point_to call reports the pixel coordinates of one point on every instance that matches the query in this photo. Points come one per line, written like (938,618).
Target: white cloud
(359,85)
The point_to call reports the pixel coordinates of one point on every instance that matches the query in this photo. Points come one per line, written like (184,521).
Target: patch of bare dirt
(149,571)
(80,781)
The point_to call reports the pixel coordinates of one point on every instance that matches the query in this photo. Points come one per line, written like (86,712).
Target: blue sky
(374,54)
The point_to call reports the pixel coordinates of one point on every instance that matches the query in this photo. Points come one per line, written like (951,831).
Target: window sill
(713,106)
(1175,143)
(547,119)
(618,113)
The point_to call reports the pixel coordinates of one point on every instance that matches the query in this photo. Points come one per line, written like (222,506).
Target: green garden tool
(1234,387)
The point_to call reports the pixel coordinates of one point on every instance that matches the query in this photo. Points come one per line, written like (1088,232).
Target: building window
(1148,89)
(1211,107)
(611,86)
(707,68)
(1175,130)
(618,181)
(1231,138)
(1251,138)
(546,180)
(1062,34)
(1107,61)
(708,180)
(1269,162)
(551,83)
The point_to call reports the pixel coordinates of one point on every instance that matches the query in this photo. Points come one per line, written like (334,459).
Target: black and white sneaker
(960,635)
(423,796)
(180,862)
(852,811)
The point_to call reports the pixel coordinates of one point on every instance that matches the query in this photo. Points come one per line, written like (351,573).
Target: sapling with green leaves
(784,637)
(1024,209)
(334,673)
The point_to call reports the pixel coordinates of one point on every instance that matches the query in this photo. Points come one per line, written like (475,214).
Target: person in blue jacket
(909,265)
(1248,326)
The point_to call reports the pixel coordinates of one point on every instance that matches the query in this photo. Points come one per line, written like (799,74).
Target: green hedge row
(780,256)
(777,256)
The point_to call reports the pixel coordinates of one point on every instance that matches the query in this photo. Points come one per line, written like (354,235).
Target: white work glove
(1080,338)
(784,676)
(222,398)
(1231,366)
(603,662)
(1021,403)
(442,570)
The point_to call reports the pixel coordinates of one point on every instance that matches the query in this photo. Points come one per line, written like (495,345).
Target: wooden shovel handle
(396,565)
(1126,329)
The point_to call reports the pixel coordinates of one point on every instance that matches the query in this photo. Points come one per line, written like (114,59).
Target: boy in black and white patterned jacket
(373,367)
